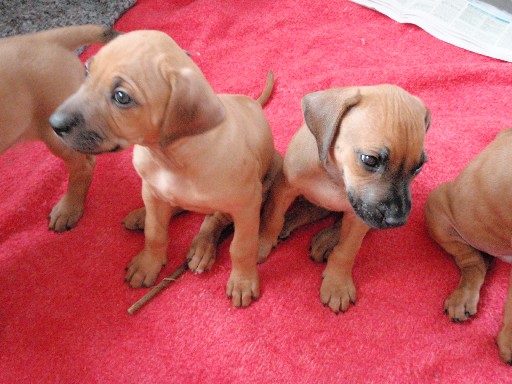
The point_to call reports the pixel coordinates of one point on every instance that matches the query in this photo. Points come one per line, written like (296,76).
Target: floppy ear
(323,112)
(192,108)
(427,120)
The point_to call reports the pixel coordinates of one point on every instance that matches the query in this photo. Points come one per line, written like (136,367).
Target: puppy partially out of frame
(470,219)
(39,71)
(357,153)
(194,150)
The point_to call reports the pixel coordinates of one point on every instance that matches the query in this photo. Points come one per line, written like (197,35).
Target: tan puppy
(194,150)
(357,153)
(39,71)
(470,218)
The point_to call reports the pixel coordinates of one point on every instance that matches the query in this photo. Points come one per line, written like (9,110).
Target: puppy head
(141,88)
(371,140)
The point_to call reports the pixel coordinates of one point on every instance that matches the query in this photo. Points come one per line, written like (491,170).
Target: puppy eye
(370,162)
(121,98)
(417,170)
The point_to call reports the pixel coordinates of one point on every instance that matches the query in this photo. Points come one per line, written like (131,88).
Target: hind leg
(302,212)
(135,220)
(203,250)
(324,241)
(463,301)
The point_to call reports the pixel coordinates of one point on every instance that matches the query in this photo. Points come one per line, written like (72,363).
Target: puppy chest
(179,191)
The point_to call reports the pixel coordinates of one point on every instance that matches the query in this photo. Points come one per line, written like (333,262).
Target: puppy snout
(395,221)
(63,123)
(394,215)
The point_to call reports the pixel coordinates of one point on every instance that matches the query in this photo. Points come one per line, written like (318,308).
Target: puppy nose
(395,221)
(393,215)
(63,123)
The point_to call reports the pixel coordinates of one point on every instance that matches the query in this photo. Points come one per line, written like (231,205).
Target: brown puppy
(469,217)
(39,71)
(195,150)
(357,153)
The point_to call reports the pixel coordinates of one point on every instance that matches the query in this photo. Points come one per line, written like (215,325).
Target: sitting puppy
(195,150)
(357,153)
(39,71)
(469,217)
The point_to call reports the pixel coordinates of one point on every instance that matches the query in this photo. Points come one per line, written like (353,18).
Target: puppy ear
(192,108)
(323,112)
(427,120)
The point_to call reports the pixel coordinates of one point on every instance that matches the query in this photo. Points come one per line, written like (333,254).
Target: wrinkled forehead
(131,58)
(124,51)
(390,124)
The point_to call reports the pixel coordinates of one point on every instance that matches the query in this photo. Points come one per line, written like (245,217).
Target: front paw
(462,304)
(504,341)
(143,270)
(65,214)
(337,291)
(242,288)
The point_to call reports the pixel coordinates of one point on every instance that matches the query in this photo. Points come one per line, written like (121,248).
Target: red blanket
(63,301)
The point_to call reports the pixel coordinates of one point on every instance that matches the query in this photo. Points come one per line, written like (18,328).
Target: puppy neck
(165,156)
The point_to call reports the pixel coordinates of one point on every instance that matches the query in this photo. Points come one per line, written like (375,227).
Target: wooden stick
(157,289)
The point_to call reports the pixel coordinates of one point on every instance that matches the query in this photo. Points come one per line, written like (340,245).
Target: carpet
(26,16)
(63,302)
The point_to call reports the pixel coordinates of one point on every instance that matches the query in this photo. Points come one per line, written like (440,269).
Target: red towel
(63,301)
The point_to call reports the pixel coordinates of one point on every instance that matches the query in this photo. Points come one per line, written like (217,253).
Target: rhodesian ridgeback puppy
(356,153)
(194,150)
(39,71)
(470,219)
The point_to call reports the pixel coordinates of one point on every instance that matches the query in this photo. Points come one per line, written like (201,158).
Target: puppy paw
(65,214)
(504,341)
(462,304)
(201,254)
(242,288)
(285,232)
(323,243)
(135,220)
(143,270)
(337,291)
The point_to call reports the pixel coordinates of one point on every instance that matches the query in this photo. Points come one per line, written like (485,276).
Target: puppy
(356,153)
(39,71)
(469,218)
(194,150)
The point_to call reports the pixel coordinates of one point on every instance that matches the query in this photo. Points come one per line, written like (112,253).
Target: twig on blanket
(157,289)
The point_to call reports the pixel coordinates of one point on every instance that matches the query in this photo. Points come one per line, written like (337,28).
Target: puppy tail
(76,36)
(267,91)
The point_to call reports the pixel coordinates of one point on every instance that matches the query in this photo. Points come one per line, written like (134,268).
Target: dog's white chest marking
(169,182)
(164,181)
(179,191)
(172,188)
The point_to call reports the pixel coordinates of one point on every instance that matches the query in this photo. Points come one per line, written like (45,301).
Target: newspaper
(481,26)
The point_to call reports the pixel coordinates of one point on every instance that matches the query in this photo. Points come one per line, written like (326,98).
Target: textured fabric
(22,16)
(63,301)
